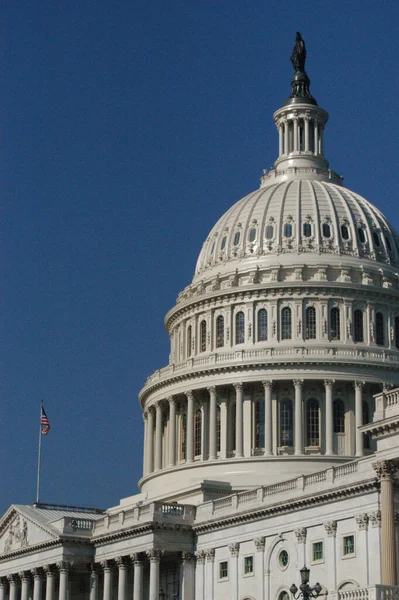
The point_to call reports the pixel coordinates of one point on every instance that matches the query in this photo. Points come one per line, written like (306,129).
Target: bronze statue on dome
(298,56)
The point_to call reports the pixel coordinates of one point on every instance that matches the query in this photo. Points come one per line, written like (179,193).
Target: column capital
(385,469)
(49,570)
(154,555)
(359,385)
(24,575)
(238,387)
(298,383)
(63,566)
(268,384)
(212,389)
(135,558)
(121,562)
(12,579)
(37,572)
(329,383)
(375,518)
(158,405)
(94,569)
(3,582)
(106,566)
(300,535)
(234,548)
(187,557)
(200,556)
(362,521)
(260,543)
(151,410)
(210,554)
(172,400)
(145,415)
(331,528)
(189,394)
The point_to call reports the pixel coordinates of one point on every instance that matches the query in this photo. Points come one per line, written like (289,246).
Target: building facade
(271,436)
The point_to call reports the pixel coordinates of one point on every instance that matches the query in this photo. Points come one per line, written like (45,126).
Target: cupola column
(286,149)
(328,384)
(172,431)
(359,416)
(190,427)
(268,386)
(307,133)
(158,436)
(212,422)
(150,440)
(239,421)
(280,139)
(295,125)
(316,137)
(298,384)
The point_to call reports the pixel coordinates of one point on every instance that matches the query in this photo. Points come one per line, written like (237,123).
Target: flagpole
(39,454)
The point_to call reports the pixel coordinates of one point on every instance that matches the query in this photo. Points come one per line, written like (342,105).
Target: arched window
(376,239)
(269,232)
(313,424)
(220,332)
(379,329)
(397,332)
(197,432)
(307,229)
(326,230)
(223,244)
(339,416)
(365,420)
(345,232)
(183,421)
(189,339)
(203,336)
(218,428)
(252,234)
(259,424)
(311,323)
(240,328)
(335,323)
(286,431)
(262,325)
(286,324)
(288,230)
(358,325)
(362,235)
(236,239)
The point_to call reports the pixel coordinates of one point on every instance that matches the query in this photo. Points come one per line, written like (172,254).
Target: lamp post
(305,590)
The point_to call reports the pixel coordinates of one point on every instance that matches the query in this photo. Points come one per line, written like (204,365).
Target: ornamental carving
(375,518)
(331,528)
(154,555)
(362,521)
(260,543)
(385,469)
(63,566)
(210,554)
(200,556)
(300,535)
(187,557)
(17,535)
(106,565)
(121,562)
(234,548)
(135,558)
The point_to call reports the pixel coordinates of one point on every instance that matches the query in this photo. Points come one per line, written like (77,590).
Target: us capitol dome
(288,328)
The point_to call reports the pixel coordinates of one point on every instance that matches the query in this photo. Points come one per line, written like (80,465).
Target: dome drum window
(379,329)
(220,331)
(307,230)
(286,323)
(288,230)
(335,325)
(326,229)
(345,232)
(262,325)
(223,244)
(236,239)
(203,336)
(358,333)
(361,235)
(240,328)
(252,235)
(310,329)
(269,232)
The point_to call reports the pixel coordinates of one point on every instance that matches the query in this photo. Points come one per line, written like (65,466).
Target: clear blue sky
(128,128)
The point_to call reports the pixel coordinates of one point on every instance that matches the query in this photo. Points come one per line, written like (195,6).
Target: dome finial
(300,82)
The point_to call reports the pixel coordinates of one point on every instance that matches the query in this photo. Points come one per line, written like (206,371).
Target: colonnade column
(239,421)
(268,386)
(37,584)
(328,384)
(107,567)
(359,416)
(3,588)
(24,577)
(63,567)
(137,577)
(158,436)
(172,431)
(190,427)
(212,423)
(154,556)
(150,440)
(306,133)
(93,582)
(50,582)
(122,577)
(13,586)
(298,384)
(386,470)
(187,576)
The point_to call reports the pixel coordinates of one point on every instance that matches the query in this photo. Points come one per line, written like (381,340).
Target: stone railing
(156,511)
(75,526)
(386,404)
(276,354)
(293,488)
(372,592)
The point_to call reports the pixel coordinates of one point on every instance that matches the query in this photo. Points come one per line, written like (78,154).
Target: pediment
(18,531)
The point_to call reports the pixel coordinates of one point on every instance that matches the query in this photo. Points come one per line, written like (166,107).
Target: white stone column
(259,564)
(107,568)
(172,431)
(239,421)
(295,124)
(50,582)
(306,133)
(374,535)
(209,573)
(331,554)
(200,575)
(298,384)
(63,568)
(3,588)
(212,423)
(328,384)
(150,440)
(137,577)
(145,444)
(386,473)
(286,139)
(280,140)
(122,577)
(234,548)
(93,581)
(316,137)
(187,576)
(37,584)
(190,427)
(24,577)
(158,436)
(362,553)
(154,556)
(13,586)
(268,386)
(359,416)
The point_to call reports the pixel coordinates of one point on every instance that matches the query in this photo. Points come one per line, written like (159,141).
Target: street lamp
(304,589)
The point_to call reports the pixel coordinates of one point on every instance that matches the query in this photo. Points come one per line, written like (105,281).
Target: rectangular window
(317,551)
(223,569)
(349,545)
(248,565)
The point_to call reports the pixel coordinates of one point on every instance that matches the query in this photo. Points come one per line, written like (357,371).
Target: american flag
(44,422)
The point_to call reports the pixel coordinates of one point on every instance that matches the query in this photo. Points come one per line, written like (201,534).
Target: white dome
(297,217)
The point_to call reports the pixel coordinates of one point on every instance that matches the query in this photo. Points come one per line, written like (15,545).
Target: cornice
(136,531)
(31,549)
(288,506)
